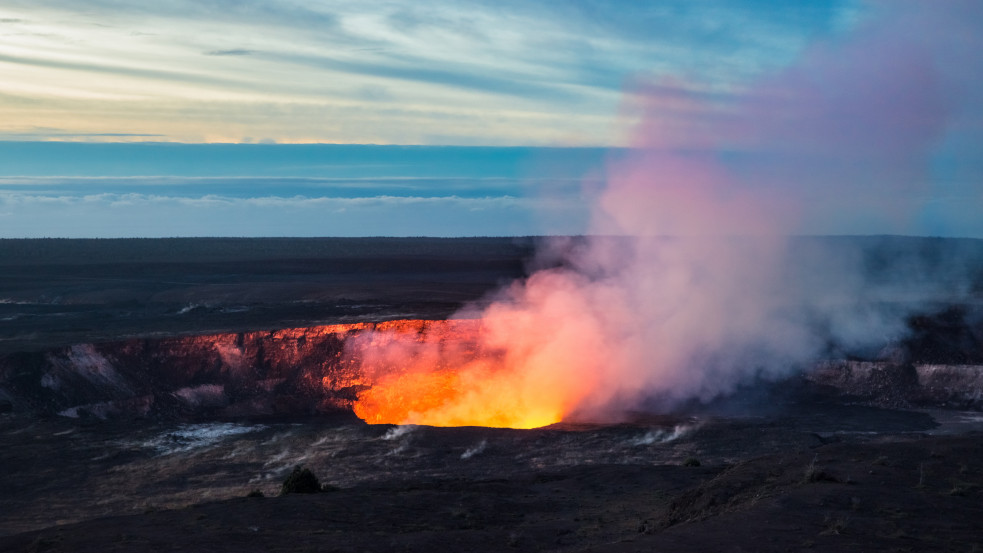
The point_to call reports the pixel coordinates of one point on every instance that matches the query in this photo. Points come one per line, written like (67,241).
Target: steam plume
(685,288)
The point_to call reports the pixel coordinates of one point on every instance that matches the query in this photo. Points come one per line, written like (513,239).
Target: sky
(214,117)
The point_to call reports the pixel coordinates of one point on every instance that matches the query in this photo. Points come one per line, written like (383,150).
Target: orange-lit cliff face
(434,372)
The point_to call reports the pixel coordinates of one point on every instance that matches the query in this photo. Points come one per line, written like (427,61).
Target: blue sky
(517,111)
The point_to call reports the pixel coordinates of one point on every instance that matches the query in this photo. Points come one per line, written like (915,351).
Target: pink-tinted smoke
(684,293)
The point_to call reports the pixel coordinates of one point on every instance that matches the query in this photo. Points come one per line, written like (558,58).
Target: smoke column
(684,289)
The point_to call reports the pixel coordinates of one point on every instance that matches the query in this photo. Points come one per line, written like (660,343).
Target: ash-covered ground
(871,451)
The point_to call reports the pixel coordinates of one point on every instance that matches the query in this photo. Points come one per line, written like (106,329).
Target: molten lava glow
(450,397)
(448,373)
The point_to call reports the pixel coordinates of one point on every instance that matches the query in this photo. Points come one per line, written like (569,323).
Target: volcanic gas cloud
(684,291)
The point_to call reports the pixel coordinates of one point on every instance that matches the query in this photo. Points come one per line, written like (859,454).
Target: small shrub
(962,489)
(822,476)
(691,462)
(301,480)
(255,493)
(810,472)
(815,474)
(835,525)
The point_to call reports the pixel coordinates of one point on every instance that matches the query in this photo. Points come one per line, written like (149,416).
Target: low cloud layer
(140,215)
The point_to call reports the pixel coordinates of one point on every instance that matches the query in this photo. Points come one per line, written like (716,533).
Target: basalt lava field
(147,387)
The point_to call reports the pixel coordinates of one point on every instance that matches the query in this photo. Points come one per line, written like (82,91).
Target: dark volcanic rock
(953,335)
(301,480)
(906,494)
(286,372)
(888,384)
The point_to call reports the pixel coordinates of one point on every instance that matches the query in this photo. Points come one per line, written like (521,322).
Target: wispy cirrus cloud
(231,52)
(467,72)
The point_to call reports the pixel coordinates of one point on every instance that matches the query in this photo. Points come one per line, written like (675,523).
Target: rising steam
(687,286)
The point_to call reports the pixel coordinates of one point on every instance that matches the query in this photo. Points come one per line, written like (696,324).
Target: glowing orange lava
(450,398)
(443,373)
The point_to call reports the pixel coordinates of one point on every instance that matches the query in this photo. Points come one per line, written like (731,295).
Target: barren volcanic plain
(147,387)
